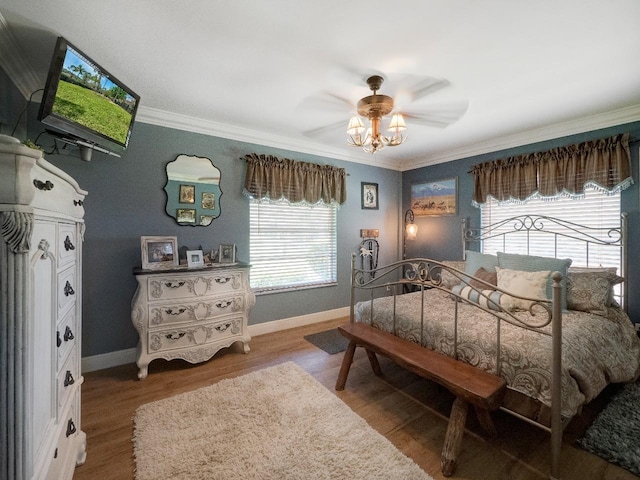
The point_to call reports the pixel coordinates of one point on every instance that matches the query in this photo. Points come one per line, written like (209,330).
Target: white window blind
(292,246)
(596,210)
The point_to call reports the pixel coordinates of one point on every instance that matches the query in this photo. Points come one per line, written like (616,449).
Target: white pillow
(526,284)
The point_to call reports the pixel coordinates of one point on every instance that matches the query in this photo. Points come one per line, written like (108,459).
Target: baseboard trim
(123,357)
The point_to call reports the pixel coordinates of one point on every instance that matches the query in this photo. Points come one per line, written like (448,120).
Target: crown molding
(593,122)
(163,118)
(12,61)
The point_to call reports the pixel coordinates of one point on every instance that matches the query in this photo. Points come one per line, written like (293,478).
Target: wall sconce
(410,231)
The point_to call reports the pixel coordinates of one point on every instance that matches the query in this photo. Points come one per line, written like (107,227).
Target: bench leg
(347,360)
(373,360)
(453,438)
(484,417)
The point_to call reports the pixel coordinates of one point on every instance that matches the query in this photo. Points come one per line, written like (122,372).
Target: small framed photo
(227,253)
(208,200)
(186,215)
(369,196)
(435,198)
(195,258)
(206,220)
(159,252)
(187,194)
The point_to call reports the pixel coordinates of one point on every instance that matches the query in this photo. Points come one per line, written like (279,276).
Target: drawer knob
(58,339)
(78,203)
(71,428)
(174,284)
(68,334)
(171,311)
(222,280)
(68,289)
(223,328)
(175,336)
(68,379)
(223,303)
(44,186)
(68,245)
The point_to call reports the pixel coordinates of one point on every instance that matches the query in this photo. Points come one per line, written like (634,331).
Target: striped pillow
(485,298)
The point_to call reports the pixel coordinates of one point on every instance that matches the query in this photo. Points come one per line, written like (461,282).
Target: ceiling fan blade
(326,102)
(439,116)
(325,129)
(408,88)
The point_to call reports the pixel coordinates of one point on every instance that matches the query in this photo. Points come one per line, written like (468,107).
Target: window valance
(272,178)
(604,164)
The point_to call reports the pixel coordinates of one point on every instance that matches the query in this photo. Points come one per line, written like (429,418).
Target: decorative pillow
(526,284)
(591,290)
(482,274)
(449,280)
(466,291)
(475,260)
(531,263)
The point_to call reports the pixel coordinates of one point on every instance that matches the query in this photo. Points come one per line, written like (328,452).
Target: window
(292,246)
(596,210)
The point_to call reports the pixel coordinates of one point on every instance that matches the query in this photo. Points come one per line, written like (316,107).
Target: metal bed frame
(421,274)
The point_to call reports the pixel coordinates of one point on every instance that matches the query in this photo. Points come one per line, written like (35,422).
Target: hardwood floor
(411,412)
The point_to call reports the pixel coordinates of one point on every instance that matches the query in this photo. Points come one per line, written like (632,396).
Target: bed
(557,333)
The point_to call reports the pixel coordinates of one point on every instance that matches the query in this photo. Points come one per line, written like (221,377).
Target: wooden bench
(469,384)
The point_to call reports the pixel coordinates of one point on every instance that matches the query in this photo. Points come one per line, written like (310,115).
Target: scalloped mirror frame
(193,190)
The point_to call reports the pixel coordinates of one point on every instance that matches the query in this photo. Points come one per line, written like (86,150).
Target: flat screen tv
(85,103)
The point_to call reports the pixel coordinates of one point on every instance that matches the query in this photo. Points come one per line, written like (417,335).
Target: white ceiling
(250,69)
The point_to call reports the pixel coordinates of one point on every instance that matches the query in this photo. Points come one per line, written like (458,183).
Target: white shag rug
(277,423)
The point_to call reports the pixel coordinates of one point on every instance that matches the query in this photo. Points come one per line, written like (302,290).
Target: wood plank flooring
(410,411)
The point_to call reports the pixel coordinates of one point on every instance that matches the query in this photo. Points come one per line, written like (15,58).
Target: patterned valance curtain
(604,164)
(273,178)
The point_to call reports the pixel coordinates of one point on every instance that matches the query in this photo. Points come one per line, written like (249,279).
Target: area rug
(331,341)
(273,424)
(615,433)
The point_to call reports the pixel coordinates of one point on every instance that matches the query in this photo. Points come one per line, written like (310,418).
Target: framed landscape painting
(435,198)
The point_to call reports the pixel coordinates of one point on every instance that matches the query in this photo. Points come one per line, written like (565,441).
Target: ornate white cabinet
(190,314)
(41,290)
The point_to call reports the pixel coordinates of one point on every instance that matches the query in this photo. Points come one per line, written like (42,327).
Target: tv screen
(85,102)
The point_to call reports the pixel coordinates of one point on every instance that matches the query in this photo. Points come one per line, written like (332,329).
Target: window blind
(292,246)
(596,210)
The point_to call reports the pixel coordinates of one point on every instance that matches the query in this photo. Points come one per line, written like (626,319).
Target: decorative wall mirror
(193,190)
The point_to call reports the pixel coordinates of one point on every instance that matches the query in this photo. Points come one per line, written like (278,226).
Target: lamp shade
(412,231)
(355,126)
(397,123)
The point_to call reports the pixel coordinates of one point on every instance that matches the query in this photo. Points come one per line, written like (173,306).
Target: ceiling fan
(376,107)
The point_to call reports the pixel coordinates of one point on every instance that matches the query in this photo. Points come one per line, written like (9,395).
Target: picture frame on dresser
(227,253)
(195,258)
(159,252)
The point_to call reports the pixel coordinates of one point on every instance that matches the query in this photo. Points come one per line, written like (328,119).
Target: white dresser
(190,314)
(41,211)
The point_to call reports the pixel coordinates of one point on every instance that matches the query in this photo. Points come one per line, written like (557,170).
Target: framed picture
(369,195)
(435,198)
(208,200)
(195,258)
(187,194)
(227,253)
(206,220)
(159,252)
(186,215)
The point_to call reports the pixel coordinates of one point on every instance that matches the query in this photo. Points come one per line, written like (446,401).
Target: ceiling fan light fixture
(375,107)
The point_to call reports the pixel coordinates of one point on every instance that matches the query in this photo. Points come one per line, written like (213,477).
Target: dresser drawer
(193,335)
(67,241)
(174,313)
(66,380)
(66,337)
(69,428)
(170,287)
(67,288)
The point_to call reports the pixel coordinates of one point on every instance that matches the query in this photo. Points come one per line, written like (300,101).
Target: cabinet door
(42,351)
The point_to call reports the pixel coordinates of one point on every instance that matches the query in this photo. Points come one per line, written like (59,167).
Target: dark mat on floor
(615,432)
(330,341)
